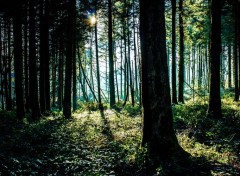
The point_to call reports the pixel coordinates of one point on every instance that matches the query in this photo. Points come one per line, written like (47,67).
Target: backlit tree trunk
(158,131)
(214,108)
(110,50)
(18,64)
(33,83)
(174,91)
(181,55)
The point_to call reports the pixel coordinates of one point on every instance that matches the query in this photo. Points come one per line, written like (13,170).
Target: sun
(93,20)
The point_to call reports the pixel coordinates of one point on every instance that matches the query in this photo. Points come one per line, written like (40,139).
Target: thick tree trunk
(214,108)
(158,133)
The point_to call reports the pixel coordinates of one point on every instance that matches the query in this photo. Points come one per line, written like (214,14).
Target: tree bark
(69,61)
(181,55)
(174,85)
(214,108)
(110,50)
(33,83)
(158,133)
(18,62)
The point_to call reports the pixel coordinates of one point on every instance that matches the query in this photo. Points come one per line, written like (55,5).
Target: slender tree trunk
(214,108)
(9,70)
(69,61)
(60,76)
(135,53)
(97,62)
(174,85)
(1,89)
(236,61)
(74,63)
(33,83)
(121,67)
(44,57)
(54,54)
(5,63)
(42,85)
(181,55)
(26,62)
(129,66)
(18,66)
(110,50)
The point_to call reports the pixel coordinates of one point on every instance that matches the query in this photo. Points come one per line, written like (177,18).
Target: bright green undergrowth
(109,142)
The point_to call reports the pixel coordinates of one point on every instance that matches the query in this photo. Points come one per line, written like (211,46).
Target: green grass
(109,143)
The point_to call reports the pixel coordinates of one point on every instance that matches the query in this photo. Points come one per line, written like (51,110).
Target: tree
(110,51)
(214,108)
(97,60)
(181,55)
(174,91)
(158,133)
(18,66)
(33,84)
(44,57)
(69,60)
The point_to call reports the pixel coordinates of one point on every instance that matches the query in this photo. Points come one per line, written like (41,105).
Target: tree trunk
(158,133)
(18,66)
(236,61)
(110,50)
(9,71)
(33,83)
(74,63)
(181,55)
(174,91)
(69,61)
(26,62)
(214,108)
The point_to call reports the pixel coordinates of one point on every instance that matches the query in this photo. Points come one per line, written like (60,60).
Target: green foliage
(129,110)
(109,142)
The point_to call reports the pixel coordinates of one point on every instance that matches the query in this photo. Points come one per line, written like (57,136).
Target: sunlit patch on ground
(106,143)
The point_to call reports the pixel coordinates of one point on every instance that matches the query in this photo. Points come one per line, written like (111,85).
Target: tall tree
(44,57)
(18,64)
(69,60)
(97,59)
(110,51)
(174,91)
(214,108)
(181,55)
(74,69)
(158,131)
(33,83)
(229,66)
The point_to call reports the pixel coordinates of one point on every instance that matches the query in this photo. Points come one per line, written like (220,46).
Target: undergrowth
(108,142)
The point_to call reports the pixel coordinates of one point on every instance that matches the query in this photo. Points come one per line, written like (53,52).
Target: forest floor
(108,143)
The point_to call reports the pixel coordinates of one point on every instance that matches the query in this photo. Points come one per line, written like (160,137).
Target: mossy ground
(109,142)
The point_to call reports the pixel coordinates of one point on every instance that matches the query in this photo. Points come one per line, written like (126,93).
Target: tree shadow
(106,127)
